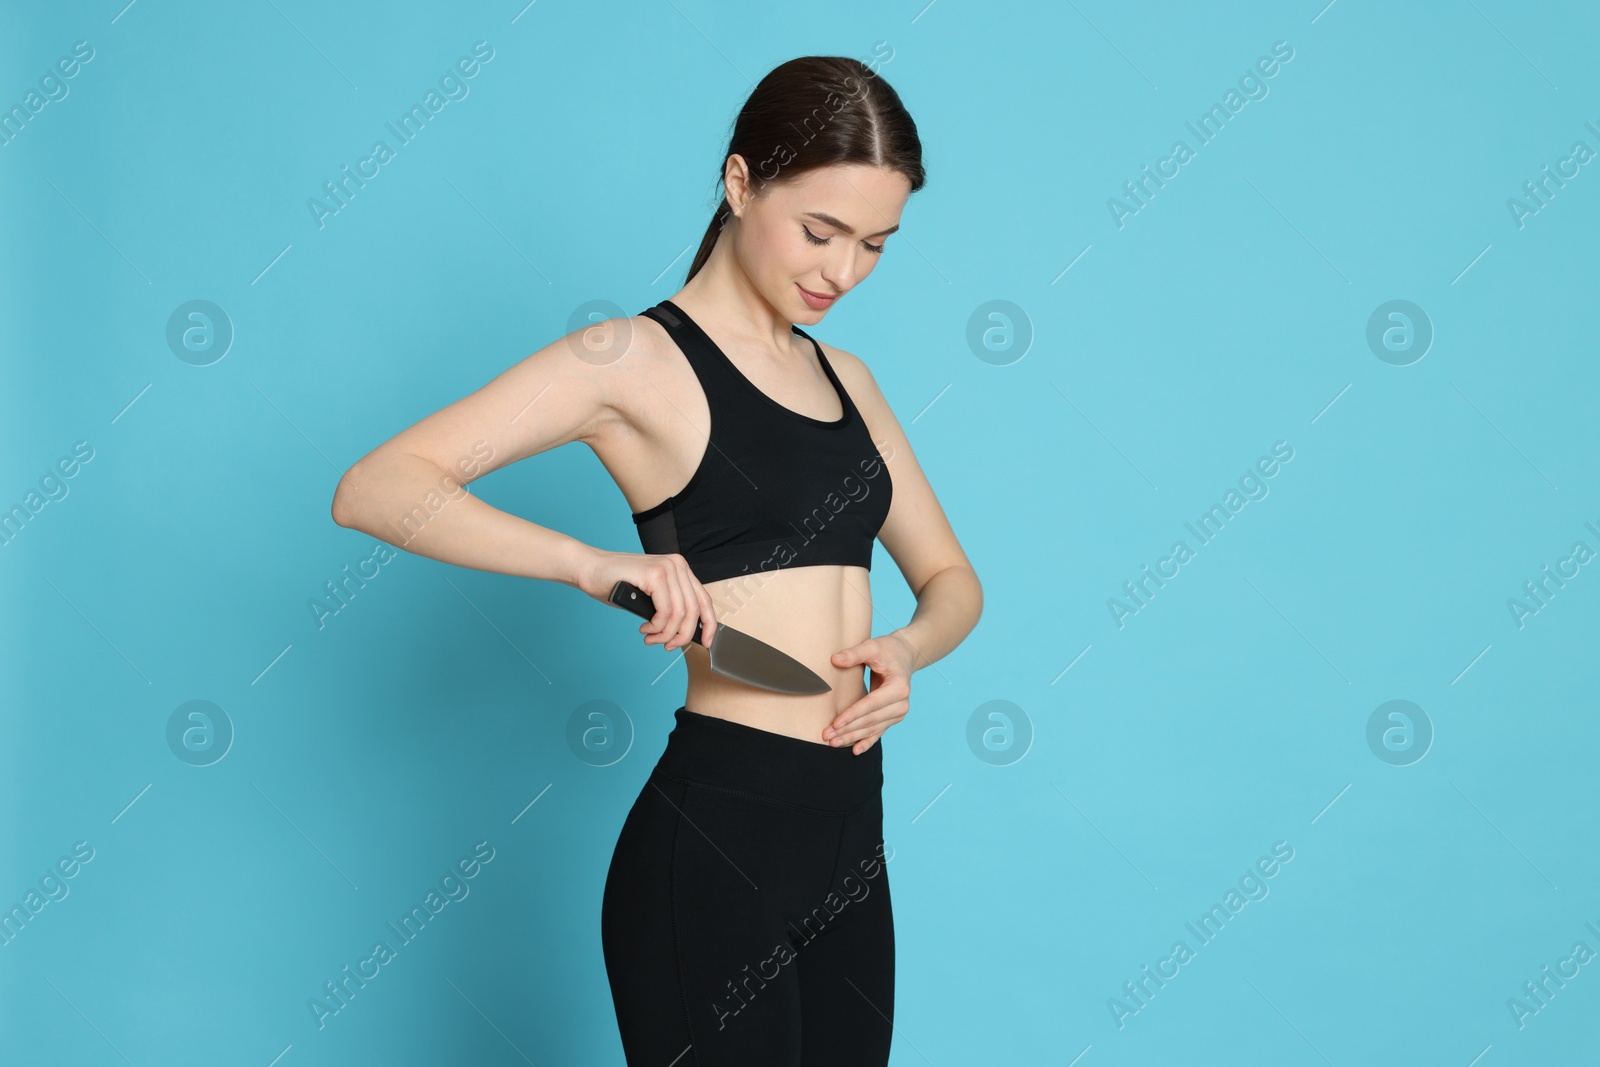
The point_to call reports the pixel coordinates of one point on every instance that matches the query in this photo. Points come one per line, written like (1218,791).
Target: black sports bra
(774,488)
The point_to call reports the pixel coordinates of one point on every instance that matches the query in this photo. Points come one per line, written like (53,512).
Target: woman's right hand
(681,601)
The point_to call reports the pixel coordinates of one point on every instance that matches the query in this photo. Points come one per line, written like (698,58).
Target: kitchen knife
(735,654)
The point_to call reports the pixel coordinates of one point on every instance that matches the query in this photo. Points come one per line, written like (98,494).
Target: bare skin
(624,388)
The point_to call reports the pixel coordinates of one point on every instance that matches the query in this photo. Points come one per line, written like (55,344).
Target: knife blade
(734,653)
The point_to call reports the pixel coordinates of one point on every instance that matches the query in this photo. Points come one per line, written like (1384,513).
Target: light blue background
(1230,713)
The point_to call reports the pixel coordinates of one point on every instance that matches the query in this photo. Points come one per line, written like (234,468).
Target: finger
(666,597)
(691,607)
(863,655)
(672,582)
(877,697)
(849,715)
(652,625)
(708,616)
(875,722)
(854,737)
(864,744)
(670,614)
(858,727)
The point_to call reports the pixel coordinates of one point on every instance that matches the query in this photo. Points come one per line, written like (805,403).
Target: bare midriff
(809,613)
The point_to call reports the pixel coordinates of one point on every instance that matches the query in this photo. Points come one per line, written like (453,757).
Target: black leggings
(746,915)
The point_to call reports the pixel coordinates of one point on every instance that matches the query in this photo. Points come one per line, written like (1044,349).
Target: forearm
(412,504)
(947,610)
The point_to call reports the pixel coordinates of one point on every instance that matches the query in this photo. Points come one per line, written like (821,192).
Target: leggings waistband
(720,752)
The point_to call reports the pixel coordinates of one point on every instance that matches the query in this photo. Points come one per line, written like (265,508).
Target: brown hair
(838,109)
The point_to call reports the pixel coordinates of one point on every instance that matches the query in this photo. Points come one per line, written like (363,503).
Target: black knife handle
(631,598)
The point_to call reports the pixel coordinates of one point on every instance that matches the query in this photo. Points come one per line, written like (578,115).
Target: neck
(721,297)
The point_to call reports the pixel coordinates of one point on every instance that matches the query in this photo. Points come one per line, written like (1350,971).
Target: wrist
(573,559)
(906,638)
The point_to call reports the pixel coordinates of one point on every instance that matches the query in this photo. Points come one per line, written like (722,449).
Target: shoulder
(620,364)
(651,382)
(855,374)
(857,379)
(626,352)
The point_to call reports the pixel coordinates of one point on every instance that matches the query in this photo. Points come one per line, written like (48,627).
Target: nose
(840,272)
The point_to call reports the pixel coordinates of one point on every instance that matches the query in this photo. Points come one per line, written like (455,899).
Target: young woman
(746,915)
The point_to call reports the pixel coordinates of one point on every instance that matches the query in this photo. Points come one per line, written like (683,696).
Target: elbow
(343,508)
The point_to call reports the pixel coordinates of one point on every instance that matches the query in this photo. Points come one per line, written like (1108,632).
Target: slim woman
(746,915)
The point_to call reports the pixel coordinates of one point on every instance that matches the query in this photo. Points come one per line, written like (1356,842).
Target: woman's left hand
(888,697)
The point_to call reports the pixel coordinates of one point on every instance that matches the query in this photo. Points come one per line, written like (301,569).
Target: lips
(816,301)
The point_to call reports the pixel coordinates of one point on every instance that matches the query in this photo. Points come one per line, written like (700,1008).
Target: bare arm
(918,536)
(947,611)
(410,490)
(916,533)
(416,504)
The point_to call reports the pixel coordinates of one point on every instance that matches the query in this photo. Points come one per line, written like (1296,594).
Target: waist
(808,613)
(808,607)
(719,753)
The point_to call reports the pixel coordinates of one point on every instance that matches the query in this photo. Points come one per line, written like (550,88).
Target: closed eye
(814,239)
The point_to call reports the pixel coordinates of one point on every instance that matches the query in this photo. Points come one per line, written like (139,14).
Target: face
(807,242)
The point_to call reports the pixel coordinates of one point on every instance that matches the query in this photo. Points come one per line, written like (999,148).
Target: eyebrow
(822,216)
